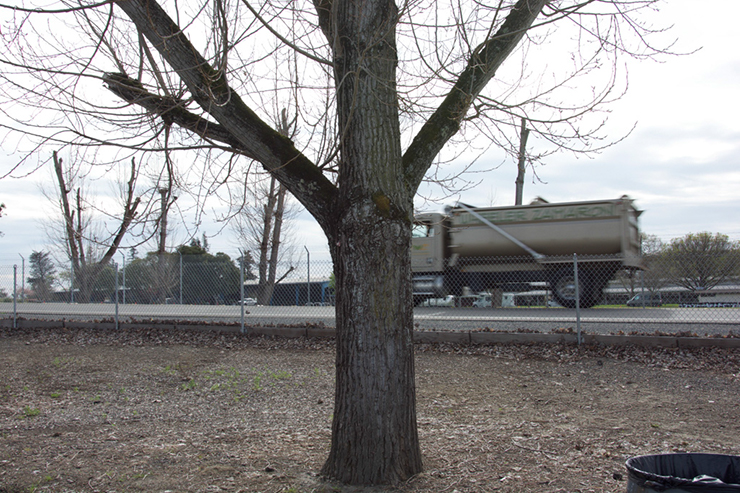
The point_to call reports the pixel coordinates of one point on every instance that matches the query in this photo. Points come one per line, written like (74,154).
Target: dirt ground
(145,410)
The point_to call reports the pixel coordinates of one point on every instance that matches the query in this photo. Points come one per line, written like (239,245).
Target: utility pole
(524,133)
(163,220)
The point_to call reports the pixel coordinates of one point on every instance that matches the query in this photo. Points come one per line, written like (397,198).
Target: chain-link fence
(670,293)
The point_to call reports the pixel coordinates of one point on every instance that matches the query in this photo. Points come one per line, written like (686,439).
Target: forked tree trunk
(374,435)
(366,215)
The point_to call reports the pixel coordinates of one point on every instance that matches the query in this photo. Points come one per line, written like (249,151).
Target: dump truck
(520,248)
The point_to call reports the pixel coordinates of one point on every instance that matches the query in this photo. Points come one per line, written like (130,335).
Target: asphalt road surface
(595,320)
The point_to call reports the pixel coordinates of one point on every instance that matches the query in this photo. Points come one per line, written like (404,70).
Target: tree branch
(171,110)
(66,210)
(481,68)
(211,91)
(129,213)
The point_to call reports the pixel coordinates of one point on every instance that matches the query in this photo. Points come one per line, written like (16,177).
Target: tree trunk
(269,288)
(264,291)
(374,435)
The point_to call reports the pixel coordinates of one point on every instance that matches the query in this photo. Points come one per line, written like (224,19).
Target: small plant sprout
(30,412)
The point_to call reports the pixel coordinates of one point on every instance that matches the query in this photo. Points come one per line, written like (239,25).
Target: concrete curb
(423,337)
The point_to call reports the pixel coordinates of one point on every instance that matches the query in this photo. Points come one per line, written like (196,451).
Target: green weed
(30,412)
(280,375)
(189,385)
(257,381)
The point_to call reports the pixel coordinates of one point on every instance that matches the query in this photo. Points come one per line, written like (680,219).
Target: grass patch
(30,412)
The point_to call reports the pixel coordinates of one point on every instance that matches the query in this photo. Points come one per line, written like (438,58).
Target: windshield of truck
(421,230)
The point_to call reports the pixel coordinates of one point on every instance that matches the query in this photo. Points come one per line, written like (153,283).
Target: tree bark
(374,435)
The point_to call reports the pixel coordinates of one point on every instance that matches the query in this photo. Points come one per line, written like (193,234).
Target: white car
(448,300)
(483,301)
(247,301)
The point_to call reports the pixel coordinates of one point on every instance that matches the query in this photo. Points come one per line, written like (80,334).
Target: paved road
(595,320)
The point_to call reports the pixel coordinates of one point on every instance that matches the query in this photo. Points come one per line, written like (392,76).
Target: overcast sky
(681,164)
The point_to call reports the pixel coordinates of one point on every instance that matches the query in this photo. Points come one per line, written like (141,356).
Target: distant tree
(2,207)
(261,227)
(42,274)
(701,261)
(208,279)
(153,278)
(89,254)
(3,294)
(656,276)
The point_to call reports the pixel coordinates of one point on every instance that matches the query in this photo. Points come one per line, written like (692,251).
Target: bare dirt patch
(147,410)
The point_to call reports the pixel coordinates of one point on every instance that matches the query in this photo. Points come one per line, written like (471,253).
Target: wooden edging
(450,337)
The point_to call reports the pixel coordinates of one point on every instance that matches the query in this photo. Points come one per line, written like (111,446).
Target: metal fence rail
(700,295)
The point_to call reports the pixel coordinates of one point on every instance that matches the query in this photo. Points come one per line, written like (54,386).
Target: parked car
(483,301)
(247,301)
(646,299)
(448,300)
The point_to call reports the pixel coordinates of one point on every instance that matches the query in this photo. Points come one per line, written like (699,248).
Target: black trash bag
(693,473)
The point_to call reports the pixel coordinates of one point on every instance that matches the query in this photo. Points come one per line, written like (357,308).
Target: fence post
(123,269)
(23,277)
(180,277)
(116,293)
(308,280)
(71,281)
(15,296)
(241,290)
(578,299)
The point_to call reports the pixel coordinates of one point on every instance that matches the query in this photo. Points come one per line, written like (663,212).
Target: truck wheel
(563,286)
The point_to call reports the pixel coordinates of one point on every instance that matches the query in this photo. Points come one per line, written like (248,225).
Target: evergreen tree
(42,275)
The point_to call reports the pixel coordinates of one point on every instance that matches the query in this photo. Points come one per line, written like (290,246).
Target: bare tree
(81,247)
(261,225)
(521,163)
(392,108)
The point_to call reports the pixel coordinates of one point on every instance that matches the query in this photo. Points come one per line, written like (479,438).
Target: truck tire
(563,287)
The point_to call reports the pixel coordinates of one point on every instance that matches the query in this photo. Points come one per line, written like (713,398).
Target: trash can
(684,473)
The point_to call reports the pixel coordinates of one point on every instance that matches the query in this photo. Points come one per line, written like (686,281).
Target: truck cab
(428,255)
(428,243)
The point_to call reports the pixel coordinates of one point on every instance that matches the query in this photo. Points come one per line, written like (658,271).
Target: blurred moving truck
(509,248)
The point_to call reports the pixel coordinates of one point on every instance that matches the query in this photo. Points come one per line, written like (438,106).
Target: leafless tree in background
(262,227)
(388,91)
(87,253)
(262,224)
